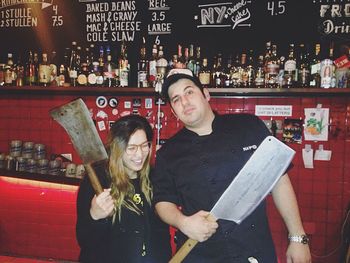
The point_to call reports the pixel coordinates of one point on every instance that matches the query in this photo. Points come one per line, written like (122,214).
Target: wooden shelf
(61,179)
(215,92)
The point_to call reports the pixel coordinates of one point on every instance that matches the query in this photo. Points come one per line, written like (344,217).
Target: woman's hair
(117,141)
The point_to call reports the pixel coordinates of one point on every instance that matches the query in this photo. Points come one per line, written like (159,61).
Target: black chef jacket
(193,171)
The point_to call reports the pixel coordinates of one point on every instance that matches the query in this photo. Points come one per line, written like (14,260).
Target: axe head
(75,118)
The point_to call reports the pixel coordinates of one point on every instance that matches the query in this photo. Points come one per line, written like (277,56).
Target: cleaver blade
(254,181)
(75,118)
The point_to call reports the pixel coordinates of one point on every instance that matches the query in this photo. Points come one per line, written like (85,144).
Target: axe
(75,118)
(251,185)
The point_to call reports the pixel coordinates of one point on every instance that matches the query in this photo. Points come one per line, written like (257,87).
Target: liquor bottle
(191,59)
(9,71)
(30,77)
(243,73)
(19,69)
(342,65)
(172,62)
(327,70)
(181,62)
(142,67)
(197,66)
(290,67)
(152,67)
(304,68)
(73,69)
(36,67)
(83,74)
(53,68)
(217,72)
(260,73)
(226,78)
(2,77)
(250,70)
(124,66)
(235,72)
(109,72)
(44,71)
(315,68)
(162,66)
(204,74)
(272,66)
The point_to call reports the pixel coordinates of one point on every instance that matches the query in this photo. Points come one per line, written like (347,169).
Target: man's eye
(174,100)
(132,148)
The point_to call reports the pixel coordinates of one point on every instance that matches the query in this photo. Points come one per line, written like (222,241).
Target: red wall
(323,192)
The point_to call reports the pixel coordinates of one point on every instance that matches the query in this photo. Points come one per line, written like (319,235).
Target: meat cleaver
(249,188)
(75,118)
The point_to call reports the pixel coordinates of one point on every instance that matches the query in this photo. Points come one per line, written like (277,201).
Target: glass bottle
(260,73)
(30,77)
(53,68)
(124,67)
(181,61)
(19,72)
(44,71)
(290,67)
(142,67)
(304,68)
(327,70)
(197,66)
(9,71)
(272,67)
(315,68)
(109,72)
(191,59)
(204,74)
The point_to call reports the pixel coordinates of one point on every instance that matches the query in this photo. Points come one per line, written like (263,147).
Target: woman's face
(136,153)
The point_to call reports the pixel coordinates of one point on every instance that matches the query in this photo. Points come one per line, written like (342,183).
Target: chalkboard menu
(216,26)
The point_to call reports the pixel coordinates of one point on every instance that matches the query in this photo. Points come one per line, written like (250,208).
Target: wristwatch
(304,239)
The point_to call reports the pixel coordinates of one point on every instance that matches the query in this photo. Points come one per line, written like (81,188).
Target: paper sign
(273,110)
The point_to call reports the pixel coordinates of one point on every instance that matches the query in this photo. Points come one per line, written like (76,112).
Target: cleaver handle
(187,246)
(93,178)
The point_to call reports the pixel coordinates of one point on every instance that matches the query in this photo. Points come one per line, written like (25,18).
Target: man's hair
(174,77)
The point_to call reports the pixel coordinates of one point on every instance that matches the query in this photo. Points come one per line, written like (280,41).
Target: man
(195,167)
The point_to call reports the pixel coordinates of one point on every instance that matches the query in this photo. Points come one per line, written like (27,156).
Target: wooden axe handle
(93,178)
(188,246)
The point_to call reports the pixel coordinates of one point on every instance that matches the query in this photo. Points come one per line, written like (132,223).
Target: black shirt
(193,171)
(136,238)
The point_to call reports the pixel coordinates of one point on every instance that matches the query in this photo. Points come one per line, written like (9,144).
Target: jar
(42,166)
(31,166)
(10,163)
(71,170)
(15,148)
(2,161)
(80,171)
(21,164)
(54,167)
(39,151)
(27,151)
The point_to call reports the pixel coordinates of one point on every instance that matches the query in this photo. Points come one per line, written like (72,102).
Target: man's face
(188,102)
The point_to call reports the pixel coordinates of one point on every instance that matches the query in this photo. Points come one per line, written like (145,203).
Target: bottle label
(124,75)
(92,79)
(73,74)
(204,78)
(142,79)
(82,79)
(290,65)
(315,68)
(44,73)
(327,73)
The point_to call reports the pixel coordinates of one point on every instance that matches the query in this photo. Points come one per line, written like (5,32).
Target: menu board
(216,26)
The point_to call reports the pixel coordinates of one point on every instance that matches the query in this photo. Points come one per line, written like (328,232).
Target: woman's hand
(102,205)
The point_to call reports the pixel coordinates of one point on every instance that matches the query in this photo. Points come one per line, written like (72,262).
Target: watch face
(305,239)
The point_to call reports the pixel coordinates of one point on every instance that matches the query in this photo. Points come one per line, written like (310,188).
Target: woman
(119,225)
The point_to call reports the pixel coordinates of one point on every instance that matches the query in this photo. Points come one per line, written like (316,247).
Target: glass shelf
(215,92)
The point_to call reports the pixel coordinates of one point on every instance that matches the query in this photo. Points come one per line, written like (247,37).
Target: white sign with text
(273,110)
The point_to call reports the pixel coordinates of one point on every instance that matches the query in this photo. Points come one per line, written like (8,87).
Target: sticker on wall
(125,113)
(101,125)
(136,103)
(127,104)
(101,102)
(316,124)
(148,103)
(113,102)
(115,112)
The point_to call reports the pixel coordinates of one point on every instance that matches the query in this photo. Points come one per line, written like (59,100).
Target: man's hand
(198,226)
(102,205)
(298,253)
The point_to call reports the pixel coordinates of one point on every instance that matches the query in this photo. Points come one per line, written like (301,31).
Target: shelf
(215,92)
(41,177)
